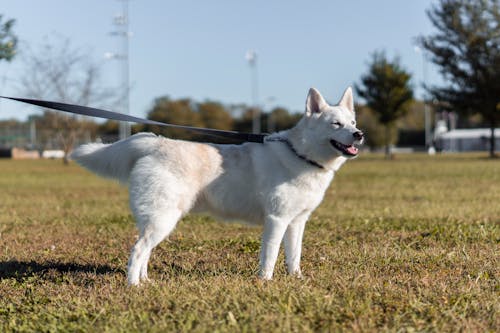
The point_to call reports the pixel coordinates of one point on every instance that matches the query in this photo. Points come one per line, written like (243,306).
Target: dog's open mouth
(345,149)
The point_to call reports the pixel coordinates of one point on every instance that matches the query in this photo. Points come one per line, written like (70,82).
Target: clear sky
(197,48)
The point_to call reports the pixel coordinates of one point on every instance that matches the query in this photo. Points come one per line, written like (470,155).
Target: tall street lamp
(122,22)
(251,57)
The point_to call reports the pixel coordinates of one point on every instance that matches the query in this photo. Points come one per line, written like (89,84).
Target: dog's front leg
(293,243)
(274,229)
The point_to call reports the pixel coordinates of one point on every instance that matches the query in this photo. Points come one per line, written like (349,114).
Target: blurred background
(426,74)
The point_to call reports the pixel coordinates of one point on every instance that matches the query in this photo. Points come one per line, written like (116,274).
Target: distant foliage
(57,131)
(57,70)
(387,91)
(280,119)
(212,114)
(215,115)
(8,40)
(276,120)
(179,112)
(374,131)
(466,47)
(187,112)
(410,123)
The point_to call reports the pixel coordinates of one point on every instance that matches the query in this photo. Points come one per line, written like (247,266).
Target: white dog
(276,184)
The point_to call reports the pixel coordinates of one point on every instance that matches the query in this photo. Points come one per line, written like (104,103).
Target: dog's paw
(133,282)
(265,276)
(297,273)
(259,282)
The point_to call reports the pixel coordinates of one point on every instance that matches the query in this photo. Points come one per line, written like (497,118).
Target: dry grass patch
(404,245)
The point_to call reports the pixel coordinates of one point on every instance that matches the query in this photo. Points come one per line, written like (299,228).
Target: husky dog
(276,184)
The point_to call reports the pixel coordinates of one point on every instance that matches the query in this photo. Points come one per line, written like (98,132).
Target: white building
(458,140)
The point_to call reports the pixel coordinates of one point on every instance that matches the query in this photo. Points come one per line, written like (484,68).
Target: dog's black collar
(292,148)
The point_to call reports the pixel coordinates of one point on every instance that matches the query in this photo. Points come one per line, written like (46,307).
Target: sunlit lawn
(408,244)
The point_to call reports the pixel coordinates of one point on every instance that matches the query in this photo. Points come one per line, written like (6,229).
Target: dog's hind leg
(153,232)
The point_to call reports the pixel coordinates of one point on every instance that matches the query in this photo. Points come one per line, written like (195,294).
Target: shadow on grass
(23,269)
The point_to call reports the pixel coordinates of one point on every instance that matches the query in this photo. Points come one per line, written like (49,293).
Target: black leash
(99,113)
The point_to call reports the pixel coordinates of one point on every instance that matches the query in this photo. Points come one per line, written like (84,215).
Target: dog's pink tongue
(352,150)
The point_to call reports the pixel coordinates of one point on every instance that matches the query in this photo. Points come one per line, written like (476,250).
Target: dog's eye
(353,123)
(337,123)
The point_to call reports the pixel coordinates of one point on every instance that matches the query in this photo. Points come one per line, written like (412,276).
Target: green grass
(406,245)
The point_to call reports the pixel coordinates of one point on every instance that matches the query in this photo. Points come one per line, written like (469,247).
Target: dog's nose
(358,135)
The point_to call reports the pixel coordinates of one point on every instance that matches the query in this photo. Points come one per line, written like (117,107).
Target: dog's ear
(347,100)
(315,102)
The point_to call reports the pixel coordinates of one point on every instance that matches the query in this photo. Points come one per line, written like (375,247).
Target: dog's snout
(358,135)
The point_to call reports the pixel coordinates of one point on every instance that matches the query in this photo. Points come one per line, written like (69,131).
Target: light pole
(251,57)
(427,118)
(122,22)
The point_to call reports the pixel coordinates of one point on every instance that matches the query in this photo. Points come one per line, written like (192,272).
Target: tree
(179,112)
(244,122)
(374,131)
(409,129)
(209,114)
(8,41)
(214,115)
(280,119)
(387,91)
(56,131)
(58,71)
(466,47)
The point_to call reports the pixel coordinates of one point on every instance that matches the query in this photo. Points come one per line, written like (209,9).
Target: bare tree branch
(56,70)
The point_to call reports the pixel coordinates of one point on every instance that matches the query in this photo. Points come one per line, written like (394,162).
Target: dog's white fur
(266,184)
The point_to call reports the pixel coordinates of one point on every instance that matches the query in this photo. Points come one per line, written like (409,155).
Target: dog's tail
(115,160)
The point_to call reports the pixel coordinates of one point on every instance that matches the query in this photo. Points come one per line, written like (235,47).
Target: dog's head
(332,127)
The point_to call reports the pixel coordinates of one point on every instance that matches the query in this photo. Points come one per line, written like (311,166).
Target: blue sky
(197,48)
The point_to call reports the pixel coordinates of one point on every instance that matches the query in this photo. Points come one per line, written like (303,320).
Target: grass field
(411,244)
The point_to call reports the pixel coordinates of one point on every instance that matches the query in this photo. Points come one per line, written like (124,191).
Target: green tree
(466,47)
(367,120)
(387,91)
(280,119)
(215,115)
(412,123)
(277,120)
(179,112)
(109,131)
(8,41)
